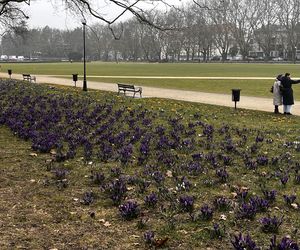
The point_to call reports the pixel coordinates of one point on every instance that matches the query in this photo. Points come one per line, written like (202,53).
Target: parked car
(277,59)
(237,58)
(3,57)
(215,58)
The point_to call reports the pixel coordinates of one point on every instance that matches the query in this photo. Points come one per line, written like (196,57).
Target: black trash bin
(9,71)
(75,78)
(236,96)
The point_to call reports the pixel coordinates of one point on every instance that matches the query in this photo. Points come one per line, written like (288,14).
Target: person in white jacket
(277,95)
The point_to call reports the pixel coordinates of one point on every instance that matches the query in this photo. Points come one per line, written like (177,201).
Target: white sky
(43,12)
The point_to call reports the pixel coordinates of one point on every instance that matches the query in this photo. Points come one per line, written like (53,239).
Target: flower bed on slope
(184,175)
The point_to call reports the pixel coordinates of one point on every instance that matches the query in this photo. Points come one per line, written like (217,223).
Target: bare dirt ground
(246,102)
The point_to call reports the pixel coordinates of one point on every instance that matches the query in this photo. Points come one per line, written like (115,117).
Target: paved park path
(246,102)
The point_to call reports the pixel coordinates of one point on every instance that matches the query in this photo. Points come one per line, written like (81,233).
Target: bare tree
(241,13)
(265,25)
(289,18)
(12,10)
(201,32)
(176,37)
(190,38)
(219,15)
(150,41)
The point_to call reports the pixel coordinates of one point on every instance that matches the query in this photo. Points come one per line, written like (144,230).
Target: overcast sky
(43,13)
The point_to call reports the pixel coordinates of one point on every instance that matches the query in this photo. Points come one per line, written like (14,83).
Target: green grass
(259,88)
(249,87)
(156,69)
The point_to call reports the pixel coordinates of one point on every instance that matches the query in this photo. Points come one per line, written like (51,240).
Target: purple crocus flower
(284,179)
(259,138)
(240,242)
(271,224)
(117,190)
(270,195)
(186,203)
(60,174)
(259,203)
(285,244)
(149,237)
(262,160)
(197,156)
(151,200)
(88,198)
(97,177)
(246,211)
(222,174)
(206,212)
(297,178)
(216,231)
(158,177)
(222,203)
(289,199)
(126,153)
(251,164)
(194,168)
(242,194)
(129,210)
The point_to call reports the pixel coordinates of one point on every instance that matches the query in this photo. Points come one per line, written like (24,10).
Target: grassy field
(156,69)
(46,200)
(249,87)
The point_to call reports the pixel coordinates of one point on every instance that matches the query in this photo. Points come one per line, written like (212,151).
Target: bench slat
(28,77)
(129,88)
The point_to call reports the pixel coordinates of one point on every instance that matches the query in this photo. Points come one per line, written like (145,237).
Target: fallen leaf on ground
(161,242)
(107,224)
(223,217)
(294,205)
(169,173)
(52,152)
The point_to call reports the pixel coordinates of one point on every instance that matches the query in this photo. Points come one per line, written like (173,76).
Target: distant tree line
(199,29)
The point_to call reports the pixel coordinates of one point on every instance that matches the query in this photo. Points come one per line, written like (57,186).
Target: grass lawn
(96,153)
(156,69)
(249,87)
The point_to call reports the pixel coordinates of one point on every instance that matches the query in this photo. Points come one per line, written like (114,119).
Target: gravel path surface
(246,102)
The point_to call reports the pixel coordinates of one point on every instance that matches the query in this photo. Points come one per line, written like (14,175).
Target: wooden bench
(28,77)
(129,88)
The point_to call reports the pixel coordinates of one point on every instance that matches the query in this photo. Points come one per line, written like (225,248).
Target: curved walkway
(246,102)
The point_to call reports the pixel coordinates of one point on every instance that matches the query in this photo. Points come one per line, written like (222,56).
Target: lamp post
(84,61)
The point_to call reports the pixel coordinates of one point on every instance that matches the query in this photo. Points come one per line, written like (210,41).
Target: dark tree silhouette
(12,11)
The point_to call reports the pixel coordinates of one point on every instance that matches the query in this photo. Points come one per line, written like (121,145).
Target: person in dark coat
(287,92)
